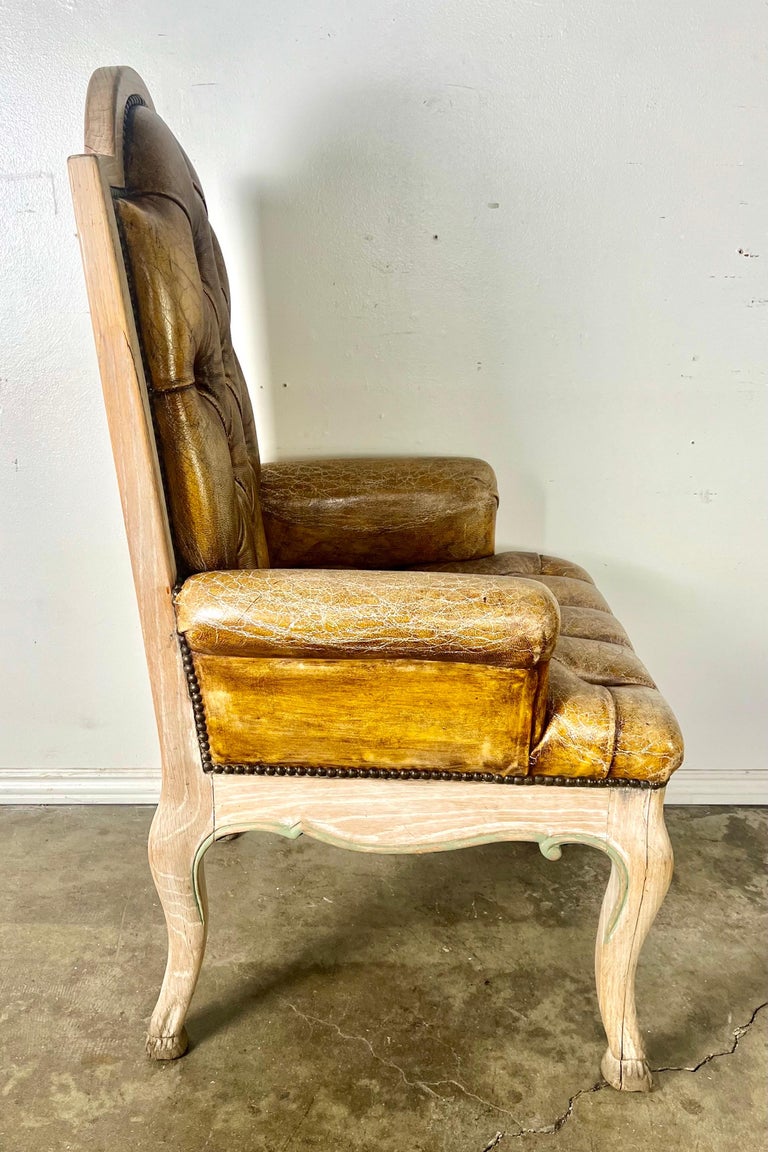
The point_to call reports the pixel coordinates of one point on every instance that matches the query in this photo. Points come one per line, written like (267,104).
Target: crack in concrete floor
(427,1086)
(564,1117)
(551,1129)
(737,1035)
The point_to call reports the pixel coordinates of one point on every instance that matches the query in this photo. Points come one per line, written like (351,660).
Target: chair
(333,646)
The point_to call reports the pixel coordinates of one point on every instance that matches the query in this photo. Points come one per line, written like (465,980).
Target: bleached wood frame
(362,814)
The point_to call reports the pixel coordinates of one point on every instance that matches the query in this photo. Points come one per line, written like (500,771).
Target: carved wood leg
(176,844)
(636,888)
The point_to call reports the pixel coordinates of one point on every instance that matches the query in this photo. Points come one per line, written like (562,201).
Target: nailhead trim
(198,708)
(257,769)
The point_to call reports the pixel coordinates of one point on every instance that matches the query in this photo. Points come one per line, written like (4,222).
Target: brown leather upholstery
(378,513)
(450,672)
(365,615)
(605,717)
(200,403)
(396,670)
(601,714)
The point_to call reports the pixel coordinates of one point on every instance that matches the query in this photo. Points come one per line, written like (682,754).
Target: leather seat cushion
(605,718)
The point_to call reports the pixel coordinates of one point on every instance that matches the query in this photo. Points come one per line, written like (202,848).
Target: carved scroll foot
(640,874)
(167,1047)
(176,843)
(626,1075)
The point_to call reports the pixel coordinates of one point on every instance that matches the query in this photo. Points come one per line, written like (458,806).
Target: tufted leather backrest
(201,410)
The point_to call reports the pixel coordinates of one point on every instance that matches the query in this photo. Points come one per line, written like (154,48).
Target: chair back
(201,415)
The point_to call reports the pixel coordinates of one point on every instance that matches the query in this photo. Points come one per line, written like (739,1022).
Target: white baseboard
(142,786)
(79,786)
(718,786)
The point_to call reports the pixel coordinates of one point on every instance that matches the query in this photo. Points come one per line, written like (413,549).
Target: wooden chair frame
(367,815)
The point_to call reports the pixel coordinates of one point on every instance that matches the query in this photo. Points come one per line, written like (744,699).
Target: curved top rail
(110,91)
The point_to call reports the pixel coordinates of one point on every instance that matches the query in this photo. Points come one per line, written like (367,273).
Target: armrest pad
(494,620)
(385,512)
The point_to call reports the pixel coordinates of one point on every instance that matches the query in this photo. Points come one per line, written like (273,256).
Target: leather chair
(334,648)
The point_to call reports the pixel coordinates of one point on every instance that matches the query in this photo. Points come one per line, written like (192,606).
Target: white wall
(498,228)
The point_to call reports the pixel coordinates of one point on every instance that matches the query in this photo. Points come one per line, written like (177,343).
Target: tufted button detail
(606,720)
(200,405)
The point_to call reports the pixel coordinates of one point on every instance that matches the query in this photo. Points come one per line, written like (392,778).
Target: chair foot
(167,1047)
(626,1075)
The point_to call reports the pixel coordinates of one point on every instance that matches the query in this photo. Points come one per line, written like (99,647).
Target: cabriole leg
(638,836)
(175,840)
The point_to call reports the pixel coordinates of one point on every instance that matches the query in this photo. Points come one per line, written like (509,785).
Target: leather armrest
(495,620)
(387,512)
(430,671)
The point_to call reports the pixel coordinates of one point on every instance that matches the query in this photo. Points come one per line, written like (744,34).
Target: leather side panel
(352,714)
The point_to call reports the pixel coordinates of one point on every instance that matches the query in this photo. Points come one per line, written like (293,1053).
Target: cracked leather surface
(200,404)
(386,512)
(365,615)
(605,717)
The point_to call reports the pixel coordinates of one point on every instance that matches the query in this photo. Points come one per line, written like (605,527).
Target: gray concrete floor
(355,1002)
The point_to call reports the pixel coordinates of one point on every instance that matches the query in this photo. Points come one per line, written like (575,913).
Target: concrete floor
(442,1003)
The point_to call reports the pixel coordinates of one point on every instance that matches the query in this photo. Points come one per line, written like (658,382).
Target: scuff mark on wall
(30,192)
